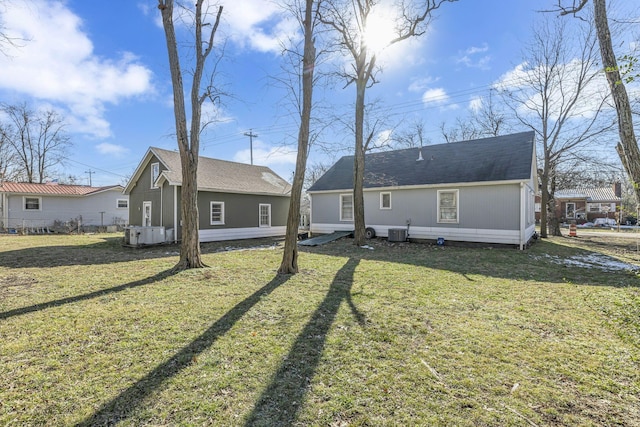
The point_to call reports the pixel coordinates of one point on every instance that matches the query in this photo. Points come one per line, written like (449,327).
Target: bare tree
(289,263)
(37,141)
(488,120)
(189,141)
(627,148)
(555,94)
(349,19)
(414,135)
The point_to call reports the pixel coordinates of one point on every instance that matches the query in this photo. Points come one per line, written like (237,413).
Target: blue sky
(104,66)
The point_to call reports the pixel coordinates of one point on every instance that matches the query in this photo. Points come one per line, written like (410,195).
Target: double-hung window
(31,203)
(265,215)
(122,204)
(346,207)
(448,206)
(217,213)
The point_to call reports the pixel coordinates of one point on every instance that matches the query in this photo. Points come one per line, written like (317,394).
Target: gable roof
(53,189)
(216,175)
(604,194)
(501,158)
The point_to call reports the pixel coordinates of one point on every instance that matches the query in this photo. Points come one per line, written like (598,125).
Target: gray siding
(97,209)
(241,210)
(142,192)
(481,207)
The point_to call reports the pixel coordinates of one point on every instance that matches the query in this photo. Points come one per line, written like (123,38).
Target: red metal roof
(51,189)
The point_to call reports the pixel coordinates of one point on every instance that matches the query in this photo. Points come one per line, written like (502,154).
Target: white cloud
(472,58)
(267,155)
(106,148)
(436,96)
(475,104)
(563,87)
(56,64)
(421,84)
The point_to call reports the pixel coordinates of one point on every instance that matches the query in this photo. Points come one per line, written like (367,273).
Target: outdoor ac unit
(138,236)
(397,235)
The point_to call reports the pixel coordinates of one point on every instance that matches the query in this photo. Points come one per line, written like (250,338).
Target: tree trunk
(544,201)
(627,148)
(358,166)
(289,263)
(190,256)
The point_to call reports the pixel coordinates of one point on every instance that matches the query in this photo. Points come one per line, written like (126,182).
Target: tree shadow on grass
(69,300)
(122,406)
(282,398)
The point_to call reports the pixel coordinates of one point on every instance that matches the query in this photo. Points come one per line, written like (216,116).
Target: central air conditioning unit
(397,235)
(140,236)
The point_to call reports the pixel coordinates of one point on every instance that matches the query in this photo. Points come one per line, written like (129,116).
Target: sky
(104,67)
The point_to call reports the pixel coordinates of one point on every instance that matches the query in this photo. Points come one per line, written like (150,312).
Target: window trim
(382,194)
(211,221)
(342,196)
(155,174)
(260,206)
(24,203)
(441,220)
(122,200)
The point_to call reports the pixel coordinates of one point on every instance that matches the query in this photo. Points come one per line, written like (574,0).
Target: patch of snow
(599,261)
(252,248)
(367,247)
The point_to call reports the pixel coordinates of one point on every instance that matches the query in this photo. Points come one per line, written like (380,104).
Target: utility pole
(90,172)
(251,135)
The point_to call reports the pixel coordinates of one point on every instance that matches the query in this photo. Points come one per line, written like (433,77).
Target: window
(217,213)
(448,206)
(346,207)
(31,203)
(123,204)
(155,173)
(265,215)
(385,200)
(571,210)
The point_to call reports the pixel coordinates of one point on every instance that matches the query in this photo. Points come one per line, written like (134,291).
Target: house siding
(241,210)
(142,192)
(487,213)
(489,207)
(241,219)
(95,210)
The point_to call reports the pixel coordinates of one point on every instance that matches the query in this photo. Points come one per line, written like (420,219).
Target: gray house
(235,200)
(473,191)
(36,207)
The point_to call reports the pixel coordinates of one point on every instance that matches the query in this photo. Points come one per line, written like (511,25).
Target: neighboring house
(473,191)
(235,200)
(37,206)
(588,204)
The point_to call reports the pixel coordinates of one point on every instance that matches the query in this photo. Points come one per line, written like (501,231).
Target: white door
(146,214)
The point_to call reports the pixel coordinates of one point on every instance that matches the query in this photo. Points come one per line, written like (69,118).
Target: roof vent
(420,158)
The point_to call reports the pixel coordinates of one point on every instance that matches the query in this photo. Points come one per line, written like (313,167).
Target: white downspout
(175,214)
(5,211)
(523,219)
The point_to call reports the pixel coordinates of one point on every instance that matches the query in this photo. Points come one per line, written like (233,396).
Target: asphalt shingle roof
(501,158)
(225,176)
(52,189)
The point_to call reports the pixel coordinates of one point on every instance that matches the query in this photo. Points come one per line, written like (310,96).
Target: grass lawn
(395,334)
